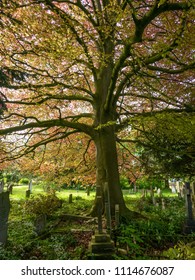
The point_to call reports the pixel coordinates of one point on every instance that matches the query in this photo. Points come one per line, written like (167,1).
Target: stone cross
(107,207)
(117,221)
(99,204)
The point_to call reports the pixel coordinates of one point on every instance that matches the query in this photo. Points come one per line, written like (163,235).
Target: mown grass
(19,192)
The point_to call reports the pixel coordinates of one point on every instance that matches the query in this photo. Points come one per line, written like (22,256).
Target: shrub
(24,181)
(124,182)
(43,204)
(181,251)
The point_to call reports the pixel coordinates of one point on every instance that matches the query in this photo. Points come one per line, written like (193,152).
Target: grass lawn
(19,192)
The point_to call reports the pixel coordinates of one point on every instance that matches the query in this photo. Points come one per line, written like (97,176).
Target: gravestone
(143,193)
(40,224)
(173,189)
(190,220)
(88,190)
(152,196)
(4,214)
(1,186)
(70,198)
(30,186)
(182,191)
(27,193)
(159,192)
(163,203)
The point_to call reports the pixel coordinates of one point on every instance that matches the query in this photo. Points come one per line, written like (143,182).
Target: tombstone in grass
(159,192)
(152,196)
(70,198)
(175,187)
(182,191)
(1,186)
(143,193)
(30,186)
(190,220)
(27,193)
(40,224)
(163,203)
(4,214)
(88,190)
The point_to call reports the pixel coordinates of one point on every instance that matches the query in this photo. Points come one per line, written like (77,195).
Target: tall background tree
(92,67)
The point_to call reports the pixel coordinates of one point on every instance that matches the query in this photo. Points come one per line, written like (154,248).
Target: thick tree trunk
(107,169)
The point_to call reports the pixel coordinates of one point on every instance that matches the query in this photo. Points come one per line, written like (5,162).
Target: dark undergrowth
(65,231)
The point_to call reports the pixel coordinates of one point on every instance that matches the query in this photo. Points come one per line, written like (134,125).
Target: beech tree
(92,67)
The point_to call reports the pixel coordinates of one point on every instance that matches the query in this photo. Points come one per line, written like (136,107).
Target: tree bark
(107,170)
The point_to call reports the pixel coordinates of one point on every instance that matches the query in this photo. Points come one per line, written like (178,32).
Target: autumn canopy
(92,67)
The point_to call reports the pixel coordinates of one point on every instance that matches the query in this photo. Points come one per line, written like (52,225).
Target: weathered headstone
(190,221)
(30,186)
(40,224)
(1,186)
(182,191)
(99,203)
(163,203)
(159,192)
(173,189)
(88,190)
(152,196)
(4,214)
(70,198)
(27,193)
(143,193)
